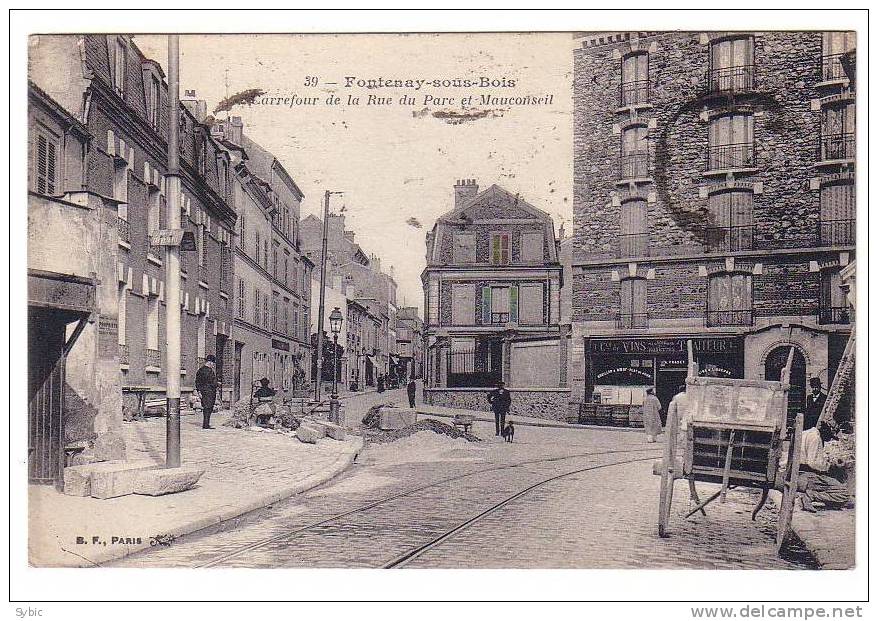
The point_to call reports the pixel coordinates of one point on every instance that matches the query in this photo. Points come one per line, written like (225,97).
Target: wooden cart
(734,436)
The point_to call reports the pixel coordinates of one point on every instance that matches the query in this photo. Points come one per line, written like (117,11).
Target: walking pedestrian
(206,384)
(500,400)
(652,415)
(410,389)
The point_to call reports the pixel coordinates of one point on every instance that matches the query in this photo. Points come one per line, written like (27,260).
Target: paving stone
(166,480)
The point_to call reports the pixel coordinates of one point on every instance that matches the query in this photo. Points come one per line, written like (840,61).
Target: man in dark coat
(500,400)
(410,389)
(206,384)
(814,403)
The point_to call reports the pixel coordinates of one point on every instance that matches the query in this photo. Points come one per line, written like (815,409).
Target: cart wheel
(790,483)
(669,459)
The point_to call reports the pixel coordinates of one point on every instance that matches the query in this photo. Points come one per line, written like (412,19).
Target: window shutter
(50,169)
(513,303)
(486,305)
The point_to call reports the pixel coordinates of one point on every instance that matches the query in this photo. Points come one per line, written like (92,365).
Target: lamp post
(335,319)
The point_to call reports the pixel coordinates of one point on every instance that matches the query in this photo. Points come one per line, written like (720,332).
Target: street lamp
(335,319)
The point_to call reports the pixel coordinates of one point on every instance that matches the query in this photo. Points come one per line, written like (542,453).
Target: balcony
(634,165)
(632,321)
(738,79)
(841,315)
(634,93)
(123,354)
(730,318)
(728,238)
(124,229)
(730,156)
(832,69)
(837,146)
(633,245)
(153,358)
(838,233)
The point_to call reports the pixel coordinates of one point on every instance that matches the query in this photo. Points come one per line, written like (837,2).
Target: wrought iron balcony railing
(838,232)
(832,69)
(634,165)
(124,230)
(632,321)
(727,156)
(835,315)
(738,79)
(634,92)
(499,317)
(741,317)
(728,238)
(153,358)
(837,146)
(633,245)
(123,354)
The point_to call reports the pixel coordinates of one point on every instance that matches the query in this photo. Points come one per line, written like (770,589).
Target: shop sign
(278,344)
(629,370)
(664,346)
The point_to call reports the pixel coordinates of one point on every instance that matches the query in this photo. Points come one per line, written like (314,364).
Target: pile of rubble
(427,424)
(279,418)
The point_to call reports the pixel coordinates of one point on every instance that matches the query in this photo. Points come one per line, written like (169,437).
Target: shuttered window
(46,164)
(532,304)
(463,309)
(464,250)
(532,247)
(500,249)
(730,292)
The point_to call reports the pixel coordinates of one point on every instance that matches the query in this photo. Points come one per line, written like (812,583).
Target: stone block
(113,483)
(85,457)
(336,432)
(308,434)
(166,480)
(396,418)
(78,479)
(318,426)
(109,446)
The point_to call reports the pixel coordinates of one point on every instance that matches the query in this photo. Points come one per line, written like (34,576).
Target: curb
(537,424)
(227,513)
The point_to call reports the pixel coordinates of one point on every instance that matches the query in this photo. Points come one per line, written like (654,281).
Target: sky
(397,162)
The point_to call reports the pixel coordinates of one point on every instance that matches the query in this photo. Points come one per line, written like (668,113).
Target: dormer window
(154,101)
(120,63)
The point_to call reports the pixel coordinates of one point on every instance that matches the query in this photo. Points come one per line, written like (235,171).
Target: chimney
(464,190)
(198,107)
(236,130)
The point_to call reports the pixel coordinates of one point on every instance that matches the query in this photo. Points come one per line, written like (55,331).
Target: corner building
(714,201)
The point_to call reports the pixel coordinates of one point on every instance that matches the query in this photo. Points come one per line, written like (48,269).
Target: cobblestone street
(603,517)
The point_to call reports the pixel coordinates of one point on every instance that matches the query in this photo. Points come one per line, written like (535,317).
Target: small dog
(508,432)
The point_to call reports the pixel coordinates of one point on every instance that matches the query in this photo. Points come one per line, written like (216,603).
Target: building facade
(410,341)
(713,204)
(106,83)
(492,304)
(272,291)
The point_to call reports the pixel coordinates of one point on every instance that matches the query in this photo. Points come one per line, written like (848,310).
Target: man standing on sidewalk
(410,389)
(206,384)
(500,400)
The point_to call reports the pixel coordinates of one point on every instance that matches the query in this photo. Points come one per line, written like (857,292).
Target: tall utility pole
(172,259)
(322,308)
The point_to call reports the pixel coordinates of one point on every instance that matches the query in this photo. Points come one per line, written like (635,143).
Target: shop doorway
(774,364)
(668,384)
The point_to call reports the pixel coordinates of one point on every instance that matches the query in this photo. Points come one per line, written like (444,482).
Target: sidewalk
(828,535)
(244,470)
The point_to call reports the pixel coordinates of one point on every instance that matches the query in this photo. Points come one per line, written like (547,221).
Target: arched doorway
(774,364)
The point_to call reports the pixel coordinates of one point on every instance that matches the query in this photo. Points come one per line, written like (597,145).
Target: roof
(266,164)
(495,190)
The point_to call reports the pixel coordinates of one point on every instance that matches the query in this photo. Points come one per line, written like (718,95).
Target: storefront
(620,370)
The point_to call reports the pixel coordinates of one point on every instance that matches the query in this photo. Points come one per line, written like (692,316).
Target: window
(202,246)
(242,229)
(274,308)
(634,160)
(837,132)
(634,239)
(635,79)
(153,212)
(500,248)
(241,298)
(265,254)
(46,163)
(730,300)
(154,102)
(730,142)
(257,307)
(632,304)
(499,305)
(286,269)
(730,221)
(835,45)
(833,299)
(258,248)
(837,214)
(463,304)
(201,343)
(464,249)
(531,304)
(274,251)
(532,247)
(266,314)
(122,321)
(152,322)
(120,64)
(732,65)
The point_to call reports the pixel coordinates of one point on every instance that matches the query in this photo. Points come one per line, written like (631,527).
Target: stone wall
(546,404)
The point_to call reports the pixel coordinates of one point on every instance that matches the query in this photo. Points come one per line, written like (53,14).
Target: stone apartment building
(492,304)
(119,99)
(272,288)
(410,341)
(714,183)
